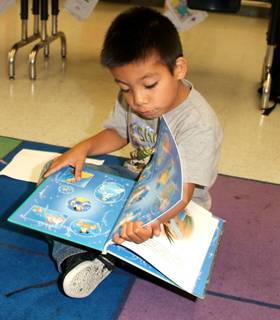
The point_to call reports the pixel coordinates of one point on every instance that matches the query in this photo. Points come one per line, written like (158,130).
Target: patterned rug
(29,280)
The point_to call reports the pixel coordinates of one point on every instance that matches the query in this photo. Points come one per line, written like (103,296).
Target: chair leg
(45,39)
(25,40)
(266,77)
(58,34)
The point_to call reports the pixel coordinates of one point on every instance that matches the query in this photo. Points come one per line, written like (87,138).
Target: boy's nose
(139,100)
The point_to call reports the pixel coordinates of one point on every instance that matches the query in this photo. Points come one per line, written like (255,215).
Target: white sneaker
(81,281)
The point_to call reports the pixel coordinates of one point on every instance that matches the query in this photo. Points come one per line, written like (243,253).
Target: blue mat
(29,288)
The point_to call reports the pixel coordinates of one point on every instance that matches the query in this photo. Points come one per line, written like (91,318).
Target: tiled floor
(70,100)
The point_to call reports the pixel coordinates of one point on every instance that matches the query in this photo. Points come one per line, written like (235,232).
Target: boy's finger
(117,239)
(156,228)
(78,171)
(142,233)
(128,233)
(52,170)
(125,230)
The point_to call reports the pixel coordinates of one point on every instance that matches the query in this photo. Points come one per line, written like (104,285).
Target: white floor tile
(70,100)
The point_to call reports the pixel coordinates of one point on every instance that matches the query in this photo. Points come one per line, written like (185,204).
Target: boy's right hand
(74,157)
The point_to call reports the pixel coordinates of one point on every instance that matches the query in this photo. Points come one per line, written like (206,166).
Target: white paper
(27,165)
(5,4)
(182,17)
(181,260)
(80,9)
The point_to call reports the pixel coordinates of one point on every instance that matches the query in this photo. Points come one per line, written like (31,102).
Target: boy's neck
(183,93)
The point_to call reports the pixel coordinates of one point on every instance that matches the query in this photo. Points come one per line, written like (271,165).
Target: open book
(90,211)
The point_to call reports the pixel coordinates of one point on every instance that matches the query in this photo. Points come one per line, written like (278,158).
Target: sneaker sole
(81,281)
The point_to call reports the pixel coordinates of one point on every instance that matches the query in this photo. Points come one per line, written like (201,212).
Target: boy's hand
(74,157)
(136,232)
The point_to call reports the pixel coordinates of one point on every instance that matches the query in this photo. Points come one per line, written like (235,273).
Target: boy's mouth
(148,114)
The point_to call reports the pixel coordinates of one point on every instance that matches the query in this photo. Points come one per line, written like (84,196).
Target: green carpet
(7,145)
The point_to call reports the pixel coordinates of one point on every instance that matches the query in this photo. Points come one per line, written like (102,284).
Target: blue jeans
(62,250)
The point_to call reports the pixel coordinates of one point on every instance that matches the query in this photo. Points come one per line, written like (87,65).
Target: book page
(160,186)
(180,252)
(83,211)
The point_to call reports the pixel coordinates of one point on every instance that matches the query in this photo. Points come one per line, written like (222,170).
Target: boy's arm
(136,232)
(104,142)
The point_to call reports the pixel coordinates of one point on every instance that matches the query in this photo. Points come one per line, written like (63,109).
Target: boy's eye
(124,90)
(150,86)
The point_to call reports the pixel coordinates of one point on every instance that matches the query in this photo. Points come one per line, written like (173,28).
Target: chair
(25,39)
(41,35)
(273,40)
(215,5)
(45,39)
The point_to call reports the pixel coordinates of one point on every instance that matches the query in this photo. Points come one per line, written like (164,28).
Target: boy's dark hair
(137,33)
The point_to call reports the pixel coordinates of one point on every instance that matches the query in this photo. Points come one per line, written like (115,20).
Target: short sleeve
(199,148)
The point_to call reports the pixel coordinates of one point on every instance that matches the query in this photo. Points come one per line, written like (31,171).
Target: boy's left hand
(136,232)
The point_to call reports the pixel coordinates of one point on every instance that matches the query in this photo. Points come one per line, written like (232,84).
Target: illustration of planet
(65,189)
(109,192)
(84,227)
(79,204)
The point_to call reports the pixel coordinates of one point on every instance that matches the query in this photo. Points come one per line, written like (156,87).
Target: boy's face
(149,87)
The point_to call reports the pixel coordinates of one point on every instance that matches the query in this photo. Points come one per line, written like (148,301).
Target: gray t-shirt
(197,133)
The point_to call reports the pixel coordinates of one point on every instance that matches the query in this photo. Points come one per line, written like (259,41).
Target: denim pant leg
(61,250)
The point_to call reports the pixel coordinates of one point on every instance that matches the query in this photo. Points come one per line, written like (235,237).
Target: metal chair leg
(42,45)
(266,77)
(45,39)
(273,38)
(25,40)
(58,35)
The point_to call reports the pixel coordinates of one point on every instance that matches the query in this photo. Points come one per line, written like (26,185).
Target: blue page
(83,212)
(160,185)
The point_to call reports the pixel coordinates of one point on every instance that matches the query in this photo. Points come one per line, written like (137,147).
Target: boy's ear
(181,68)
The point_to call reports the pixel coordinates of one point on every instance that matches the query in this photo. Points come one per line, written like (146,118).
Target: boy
(143,52)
